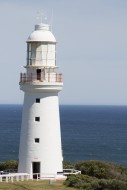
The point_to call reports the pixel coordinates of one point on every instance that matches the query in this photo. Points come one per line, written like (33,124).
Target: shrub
(91,183)
(117,185)
(102,170)
(10,164)
(67,164)
(77,181)
(98,175)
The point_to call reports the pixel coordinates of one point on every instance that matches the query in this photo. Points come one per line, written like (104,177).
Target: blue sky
(91,49)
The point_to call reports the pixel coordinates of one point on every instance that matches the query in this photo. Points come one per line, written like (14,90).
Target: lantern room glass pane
(40,53)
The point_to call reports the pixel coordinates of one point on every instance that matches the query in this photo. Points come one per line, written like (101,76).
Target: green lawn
(34,185)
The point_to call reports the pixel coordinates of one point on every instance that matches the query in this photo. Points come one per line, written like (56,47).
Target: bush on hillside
(67,164)
(10,164)
(92,183)
(77,180)
(98,175)
(102,170)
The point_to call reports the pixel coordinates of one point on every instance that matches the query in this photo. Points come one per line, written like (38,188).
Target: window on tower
(37,140)
(37,100)
(37,119)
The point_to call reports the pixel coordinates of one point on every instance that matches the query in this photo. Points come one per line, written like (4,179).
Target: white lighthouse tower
(40,149)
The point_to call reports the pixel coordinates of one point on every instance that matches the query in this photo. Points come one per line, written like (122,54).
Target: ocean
(88,132)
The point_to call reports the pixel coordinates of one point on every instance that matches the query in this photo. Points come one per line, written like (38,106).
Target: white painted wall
(48,151)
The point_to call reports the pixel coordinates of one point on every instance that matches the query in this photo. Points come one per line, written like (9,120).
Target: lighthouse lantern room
(40,151)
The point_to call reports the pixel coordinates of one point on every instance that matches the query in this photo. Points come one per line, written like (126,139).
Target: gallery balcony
(47,78)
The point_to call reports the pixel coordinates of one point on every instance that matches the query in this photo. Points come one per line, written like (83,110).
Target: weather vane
(41,15)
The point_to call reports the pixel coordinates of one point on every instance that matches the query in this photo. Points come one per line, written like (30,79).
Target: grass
(34,185)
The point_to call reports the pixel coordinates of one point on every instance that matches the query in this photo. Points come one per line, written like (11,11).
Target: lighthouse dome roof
(41,34)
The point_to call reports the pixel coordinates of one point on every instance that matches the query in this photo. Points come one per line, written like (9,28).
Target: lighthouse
(40,151)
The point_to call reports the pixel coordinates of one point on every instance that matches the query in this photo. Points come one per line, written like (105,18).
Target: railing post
(17,178)
(20,77)
(31,77)
(22,177)
(56,78)
(12,179)
(6,178)
(27,177)
(48,77)
(24,77)
(60,77)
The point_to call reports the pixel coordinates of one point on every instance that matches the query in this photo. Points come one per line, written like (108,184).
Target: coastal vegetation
(98,175)
(95,175)
(9,164)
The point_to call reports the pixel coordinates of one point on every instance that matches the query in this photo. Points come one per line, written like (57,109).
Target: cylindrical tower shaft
(40,140)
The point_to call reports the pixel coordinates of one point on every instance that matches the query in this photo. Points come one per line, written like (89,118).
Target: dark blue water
(88,132)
